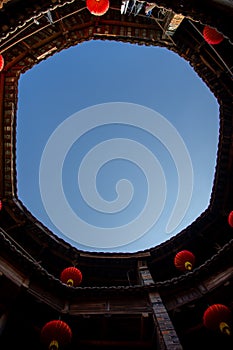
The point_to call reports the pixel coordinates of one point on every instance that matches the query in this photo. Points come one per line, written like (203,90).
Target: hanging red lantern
(212,36)
(217,317)
(71,276)
(184,260)
(1,63)
(0,205)
(97,7)
(230,219)
(56,333)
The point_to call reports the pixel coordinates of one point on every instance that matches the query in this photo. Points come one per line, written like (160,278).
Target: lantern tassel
(224,328)
(53,345)
(188,265)
(70,282)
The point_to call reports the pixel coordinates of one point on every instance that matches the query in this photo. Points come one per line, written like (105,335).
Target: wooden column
(2,76)
(167,338)
(3,321)
(7,118)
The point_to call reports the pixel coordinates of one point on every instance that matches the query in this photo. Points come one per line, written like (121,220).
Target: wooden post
(3,321)
(167,338)
(8,108)
(2,80)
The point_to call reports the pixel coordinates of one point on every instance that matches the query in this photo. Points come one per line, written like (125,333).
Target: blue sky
(95,73)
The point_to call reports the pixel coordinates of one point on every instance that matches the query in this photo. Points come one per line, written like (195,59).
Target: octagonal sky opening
(98,73)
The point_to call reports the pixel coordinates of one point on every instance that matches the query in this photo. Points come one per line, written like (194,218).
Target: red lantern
(1,63)
(184,260)
(97,7)
(212,36)
(56,333)
(0,205)
(71,276)
(217,316)
(230,219)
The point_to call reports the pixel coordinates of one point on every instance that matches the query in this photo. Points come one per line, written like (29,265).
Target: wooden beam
(201,288)
(117,343)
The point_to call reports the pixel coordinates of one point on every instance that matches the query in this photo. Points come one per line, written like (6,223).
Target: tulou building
(177,295)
